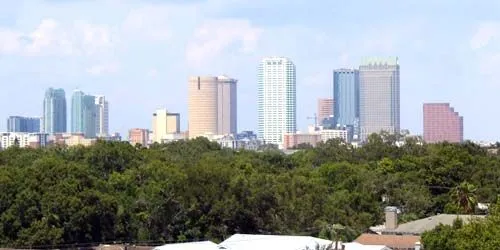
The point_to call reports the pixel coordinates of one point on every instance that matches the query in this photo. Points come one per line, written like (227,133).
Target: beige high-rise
(165,123)
(212,105)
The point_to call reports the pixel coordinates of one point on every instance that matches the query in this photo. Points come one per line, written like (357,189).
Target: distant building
(102,116)
(23,124)
(346,96)
(54,111)
(212,105)
(325,110)
(379,96)
(442,123)
(23,140)
(83,114)
(138,136)
(71,139)
(293,140)
(277,100)
(165,123)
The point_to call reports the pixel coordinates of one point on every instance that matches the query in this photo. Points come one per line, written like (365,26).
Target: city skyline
(127,58)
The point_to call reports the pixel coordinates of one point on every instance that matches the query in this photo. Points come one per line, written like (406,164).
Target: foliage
(191,190)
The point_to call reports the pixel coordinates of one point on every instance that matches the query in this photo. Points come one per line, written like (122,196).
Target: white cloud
(104,68)
(486,32)
(213,37)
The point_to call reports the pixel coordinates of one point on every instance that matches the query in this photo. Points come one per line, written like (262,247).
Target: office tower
(83,114)
(442,123)
(54,111)
(165,123)
(102,116)
(325,110)
(23,124)
(346,95)
(379,103)
(138,136)
(212,105)
(277,106)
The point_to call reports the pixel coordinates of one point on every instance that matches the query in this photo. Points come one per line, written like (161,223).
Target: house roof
(419,226)
(359,246)
(202,245)
(271,242)
(391,241)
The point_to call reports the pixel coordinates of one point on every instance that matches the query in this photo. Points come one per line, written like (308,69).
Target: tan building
(212,105)
(325,109)
(292,140)
(165,123)
(138,136)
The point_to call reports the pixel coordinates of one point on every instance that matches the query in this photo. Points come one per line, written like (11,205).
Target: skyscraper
(277,101)
(379,103)
(83,114)
(23,124)
(165,123)
(442,123)
(346,95)
(102,115)
(325,109)
(212,105)
(54,111)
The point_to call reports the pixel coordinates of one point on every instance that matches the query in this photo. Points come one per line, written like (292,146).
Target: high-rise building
(212,105)
(83,114)
(277,101)
(138,136)
(165,123)
(379,103)
(23,124)
(102,116)
(54,111)
(442,123)
(325,109)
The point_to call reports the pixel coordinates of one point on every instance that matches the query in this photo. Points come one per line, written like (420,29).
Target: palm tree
(465,197)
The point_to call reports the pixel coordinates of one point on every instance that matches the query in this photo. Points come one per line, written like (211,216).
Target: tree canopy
(193,190)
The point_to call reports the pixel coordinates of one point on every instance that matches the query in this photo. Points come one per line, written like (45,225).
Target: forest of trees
(191,190)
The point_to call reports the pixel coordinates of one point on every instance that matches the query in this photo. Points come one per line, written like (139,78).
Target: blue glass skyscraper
(23,124)
(346,96)
(83,114)
(54,111)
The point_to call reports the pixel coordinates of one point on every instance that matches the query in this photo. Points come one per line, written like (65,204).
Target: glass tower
(23,124)
(54,111)
(83,114)
(277,101)
(346,96)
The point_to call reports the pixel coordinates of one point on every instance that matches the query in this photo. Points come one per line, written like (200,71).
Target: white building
(327,134)
(277,101)
(102,116)
(23,140)
(164,124)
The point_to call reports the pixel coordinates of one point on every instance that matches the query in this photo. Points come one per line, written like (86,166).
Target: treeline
(191,190)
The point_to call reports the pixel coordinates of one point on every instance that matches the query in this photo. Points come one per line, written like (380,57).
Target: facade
(442,123)
(346,96)
(212,105)
(23,124)
(325,110)
(83,114)
(165,123)
(102,116)
(379,96)
(138,136)
(23,140)
(54,111)
(72,139)
(293,140)
(277,101)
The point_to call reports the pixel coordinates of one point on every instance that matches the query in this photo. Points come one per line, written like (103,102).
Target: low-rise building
(138,136)
(23,140)
(71,139)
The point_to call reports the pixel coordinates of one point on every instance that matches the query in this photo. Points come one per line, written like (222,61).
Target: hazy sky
(140,53)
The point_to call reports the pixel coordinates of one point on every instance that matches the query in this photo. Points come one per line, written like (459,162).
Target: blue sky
(140,53)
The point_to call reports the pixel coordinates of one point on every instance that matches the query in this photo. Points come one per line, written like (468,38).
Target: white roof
(202,245)
(271,242)
(358,246)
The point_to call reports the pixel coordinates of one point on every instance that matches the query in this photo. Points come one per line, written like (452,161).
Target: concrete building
(325,109)
(83,114)
(102,116)
(277,100)
(212,105)
(293,140)
(23,124)
(71,139)
(54,111)
(165,123)
(442,123)
(346,96)
(23,140)
(379,96)
(138,136)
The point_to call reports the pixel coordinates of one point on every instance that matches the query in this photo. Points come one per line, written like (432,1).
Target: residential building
(102,116)
(83,114)
(325,110)
(292,140)
(138,136)
(23,124)
(442,123)
(23,140)
(165,123)
(54,111)
(212,105)
(277,101)
(72,139)
(346,96)
(379,96)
